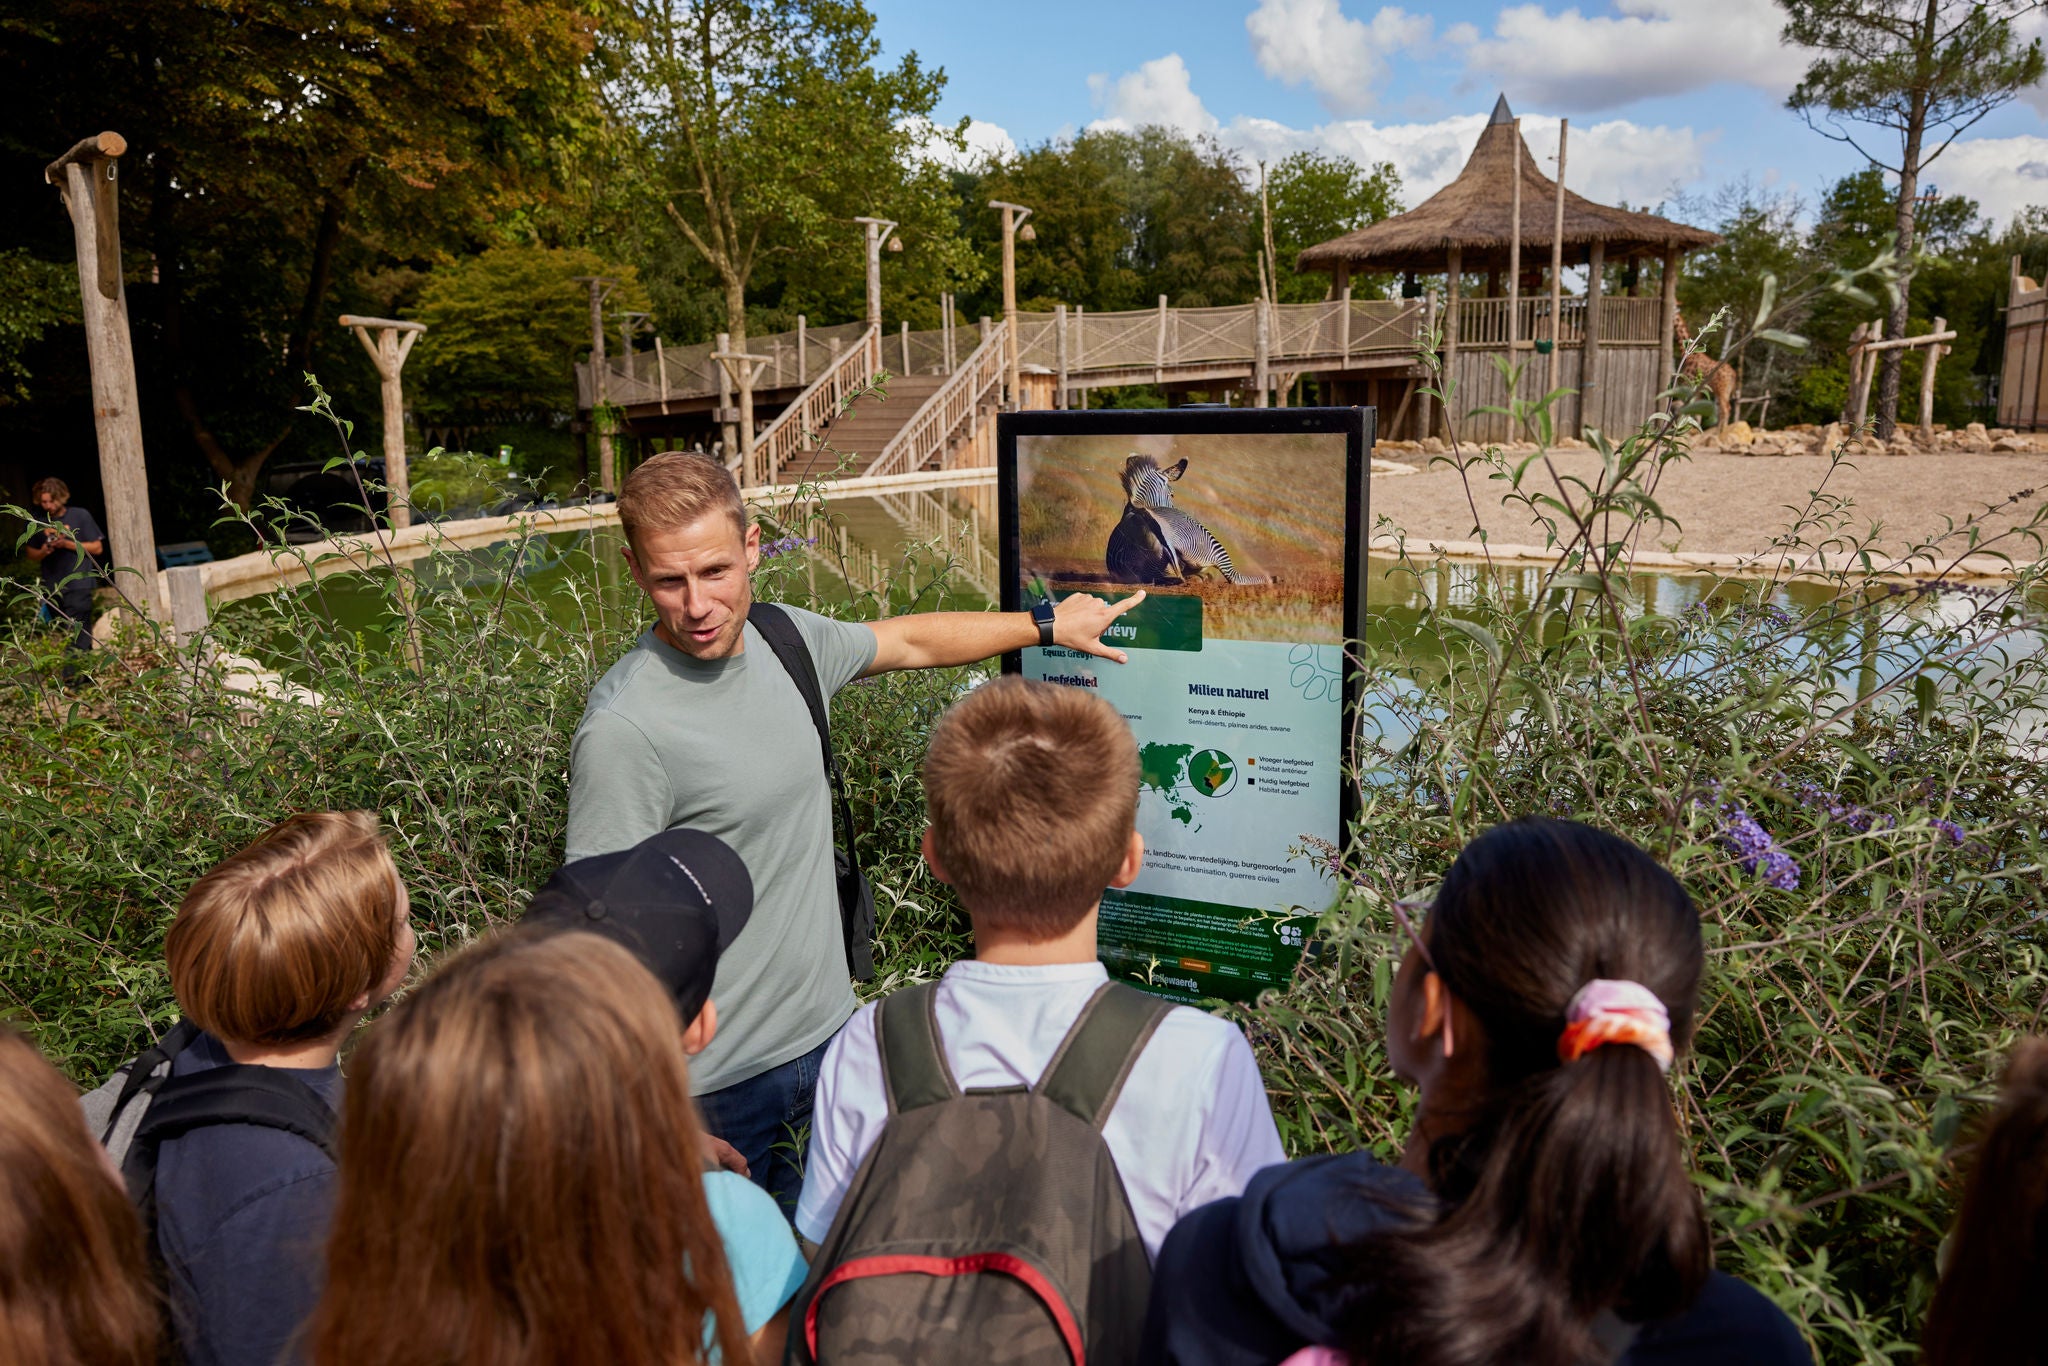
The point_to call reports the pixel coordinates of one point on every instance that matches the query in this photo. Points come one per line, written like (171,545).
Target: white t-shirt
(1191,1125)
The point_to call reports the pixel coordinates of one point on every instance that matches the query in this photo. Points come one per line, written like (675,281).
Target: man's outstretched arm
(937,640)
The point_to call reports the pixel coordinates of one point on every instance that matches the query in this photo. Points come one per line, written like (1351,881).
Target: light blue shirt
(760,1249)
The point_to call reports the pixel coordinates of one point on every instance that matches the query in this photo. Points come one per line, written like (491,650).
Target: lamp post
(1013,228)
(878,231)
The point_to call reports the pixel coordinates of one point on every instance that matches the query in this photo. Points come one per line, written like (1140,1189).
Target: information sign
(1246,529)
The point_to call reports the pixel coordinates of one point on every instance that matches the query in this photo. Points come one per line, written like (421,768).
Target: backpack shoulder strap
(141,1073)
(914,1070)
(787,642)
(1088,1071)
(234,1094)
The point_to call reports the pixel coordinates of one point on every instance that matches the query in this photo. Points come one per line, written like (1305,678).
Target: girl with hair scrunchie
(1541,1212)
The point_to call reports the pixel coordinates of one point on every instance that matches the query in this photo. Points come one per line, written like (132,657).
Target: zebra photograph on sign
(1244,531)
(1250,522)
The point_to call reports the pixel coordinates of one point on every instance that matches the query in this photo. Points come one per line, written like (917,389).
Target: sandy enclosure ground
(1732,504)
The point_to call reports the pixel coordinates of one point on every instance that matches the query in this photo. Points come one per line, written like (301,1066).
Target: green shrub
(1849,781)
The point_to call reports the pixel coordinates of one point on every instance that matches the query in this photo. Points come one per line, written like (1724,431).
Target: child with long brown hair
(521,1175)
(74,1283)
(1983,1312)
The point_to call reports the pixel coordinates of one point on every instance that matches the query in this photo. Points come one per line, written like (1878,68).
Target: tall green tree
(1314,197)
(764,127)
(1917,73)
(504,329)
(278,149)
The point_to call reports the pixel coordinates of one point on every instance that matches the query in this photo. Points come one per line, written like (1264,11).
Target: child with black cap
(677,900)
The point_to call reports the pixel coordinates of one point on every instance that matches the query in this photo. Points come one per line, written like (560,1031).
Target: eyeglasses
(1402,905)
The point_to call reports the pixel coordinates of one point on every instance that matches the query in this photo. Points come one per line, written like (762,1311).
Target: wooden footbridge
(913,459)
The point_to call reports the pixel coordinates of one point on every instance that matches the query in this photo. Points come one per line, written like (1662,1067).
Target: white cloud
(2029,26)
(1314,43)
(2004,175)
(1158,92)
(1616,159)
(1608,161)
(985,142)
(1649,48)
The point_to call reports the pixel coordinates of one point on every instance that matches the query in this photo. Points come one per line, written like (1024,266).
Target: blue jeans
(768,1118)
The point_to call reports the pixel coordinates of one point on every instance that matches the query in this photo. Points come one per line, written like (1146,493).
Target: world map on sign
(1179,773)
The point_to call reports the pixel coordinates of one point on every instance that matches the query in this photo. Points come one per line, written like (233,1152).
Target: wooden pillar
(1590,414)
(1262,342)
(87,177)
(803,353)
(1454,279)
(1159,350)
(1340,283)
(1934,352)
(728,430)
(903,333)
(1668,324)
(1425,419)
(393,343)
(1344,320)
(1557,263)
(599,383)
(1059,397)
(1515,249)
(1080,357)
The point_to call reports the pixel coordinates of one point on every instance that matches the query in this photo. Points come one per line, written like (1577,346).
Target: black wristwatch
(1041,612)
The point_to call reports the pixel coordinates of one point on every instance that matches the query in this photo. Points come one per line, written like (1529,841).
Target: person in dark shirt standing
(69,550)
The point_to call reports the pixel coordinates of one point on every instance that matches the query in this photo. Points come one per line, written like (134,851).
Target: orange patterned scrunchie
(1606,1011)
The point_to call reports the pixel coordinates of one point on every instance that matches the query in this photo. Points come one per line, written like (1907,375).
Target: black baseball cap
(677,900)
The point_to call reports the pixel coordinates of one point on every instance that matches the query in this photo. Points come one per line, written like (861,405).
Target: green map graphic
(1179,772)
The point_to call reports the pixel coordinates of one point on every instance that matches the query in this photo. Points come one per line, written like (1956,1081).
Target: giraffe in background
(1717,375)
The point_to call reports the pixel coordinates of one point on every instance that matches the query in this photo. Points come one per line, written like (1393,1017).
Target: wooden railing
(795,428)
(1623,322)
(948,415)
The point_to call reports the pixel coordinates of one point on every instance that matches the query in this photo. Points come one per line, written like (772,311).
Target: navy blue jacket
(242,1216)
(1249,1281)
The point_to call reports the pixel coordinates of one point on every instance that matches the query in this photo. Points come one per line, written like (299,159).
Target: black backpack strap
(787,642)
(162,1053)
(1088,1071)
(234,1094)
(914,1070)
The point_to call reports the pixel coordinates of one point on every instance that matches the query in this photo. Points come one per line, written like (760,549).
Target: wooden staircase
(861,435)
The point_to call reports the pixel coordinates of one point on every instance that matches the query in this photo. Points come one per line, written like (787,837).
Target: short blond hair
(1032,790)
(277,943)
(676,488)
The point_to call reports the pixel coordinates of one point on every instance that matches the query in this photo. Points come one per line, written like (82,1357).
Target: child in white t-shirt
(1033,792)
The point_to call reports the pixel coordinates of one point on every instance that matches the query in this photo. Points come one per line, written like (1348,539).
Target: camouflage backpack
(987,1226)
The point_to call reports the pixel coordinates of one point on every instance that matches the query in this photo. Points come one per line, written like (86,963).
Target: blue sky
(1662,95)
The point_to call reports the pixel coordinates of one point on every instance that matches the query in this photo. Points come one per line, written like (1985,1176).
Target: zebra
(1154,541)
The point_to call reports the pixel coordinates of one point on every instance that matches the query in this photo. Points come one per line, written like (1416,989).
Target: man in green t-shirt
(699,725)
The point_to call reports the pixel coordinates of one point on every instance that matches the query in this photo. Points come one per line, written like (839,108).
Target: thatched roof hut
(1473,216)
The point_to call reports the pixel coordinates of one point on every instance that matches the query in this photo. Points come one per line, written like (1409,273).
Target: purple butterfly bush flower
(1950,829)
(770,549)
(1753,847)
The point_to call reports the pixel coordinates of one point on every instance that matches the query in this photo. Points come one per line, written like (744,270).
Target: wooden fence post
(1589,347)
(1159,352)
(87,177)
(1934,350)
(1060,353)
(1454,279)
(1425,417)
(1262,360)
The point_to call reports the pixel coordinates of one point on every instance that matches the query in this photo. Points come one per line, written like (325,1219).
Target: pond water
(577,581)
